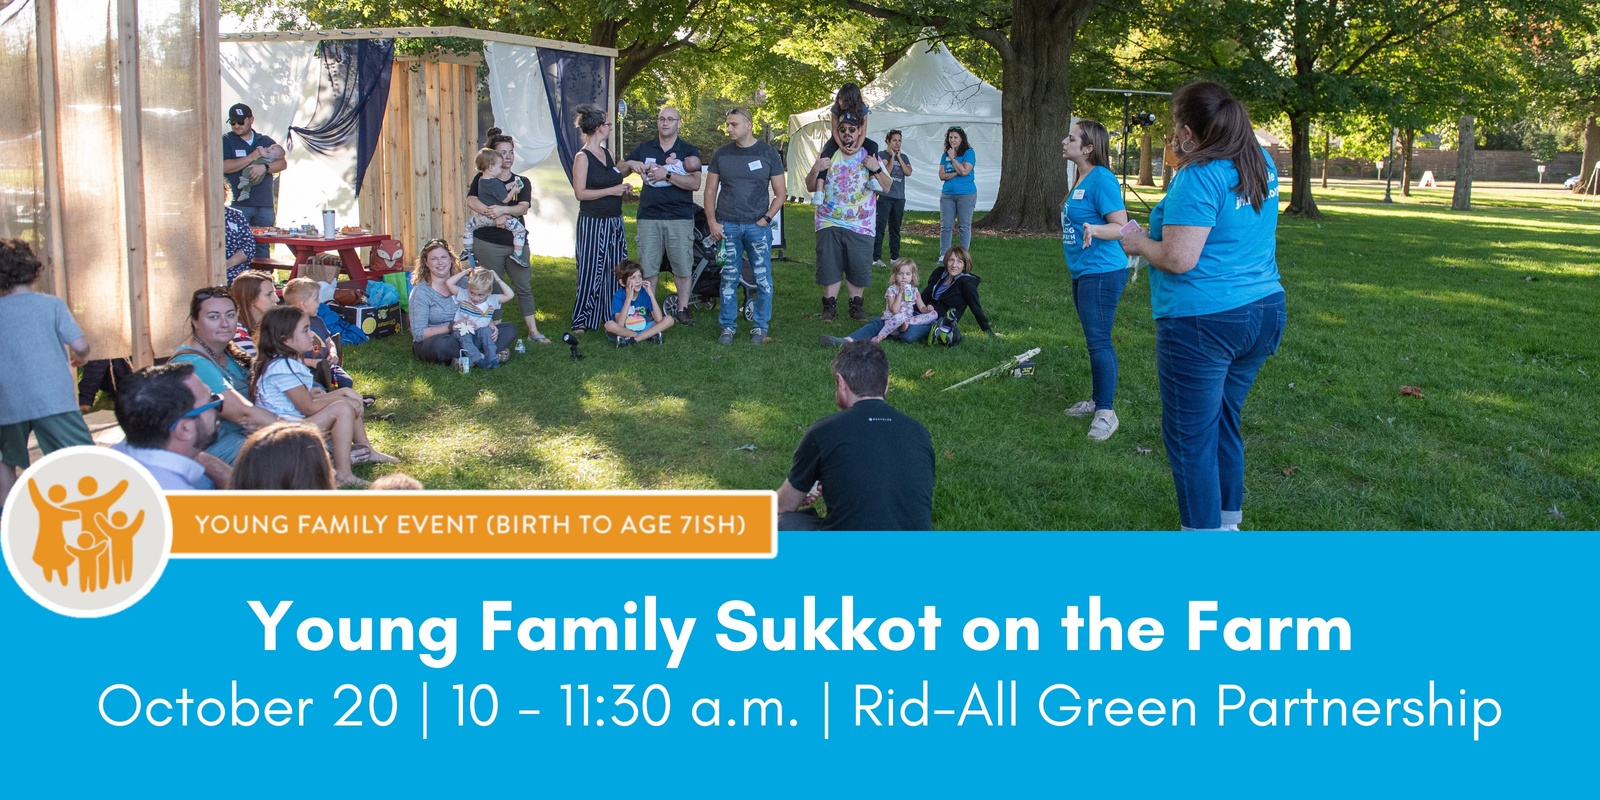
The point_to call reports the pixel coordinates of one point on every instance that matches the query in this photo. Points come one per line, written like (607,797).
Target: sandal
(360,455)
(541,339)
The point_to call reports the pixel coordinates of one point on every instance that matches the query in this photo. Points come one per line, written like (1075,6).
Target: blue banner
(1055,664)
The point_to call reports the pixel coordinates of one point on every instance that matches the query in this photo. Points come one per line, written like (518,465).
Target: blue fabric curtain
(352,101)
(570,80)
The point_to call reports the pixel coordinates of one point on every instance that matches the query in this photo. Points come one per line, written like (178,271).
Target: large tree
(641,31)
(1308,58)
(1034,40)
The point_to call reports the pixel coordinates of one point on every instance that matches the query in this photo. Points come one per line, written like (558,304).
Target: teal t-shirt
(218,380)
(1239,261)
(1095,196)
(961,184)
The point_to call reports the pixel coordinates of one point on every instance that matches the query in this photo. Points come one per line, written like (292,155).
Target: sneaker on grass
(1105,423)
(727,336)
(1081,409)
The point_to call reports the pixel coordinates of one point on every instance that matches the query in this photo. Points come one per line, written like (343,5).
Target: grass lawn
(1490,313)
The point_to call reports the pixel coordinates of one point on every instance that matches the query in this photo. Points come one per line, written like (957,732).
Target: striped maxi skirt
(602,245)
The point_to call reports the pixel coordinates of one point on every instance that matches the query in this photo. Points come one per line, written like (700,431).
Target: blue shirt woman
(1098,267)
(959,195)
(1218,303)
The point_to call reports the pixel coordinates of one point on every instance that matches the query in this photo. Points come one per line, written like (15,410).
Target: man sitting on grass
(874,464)
(635,314)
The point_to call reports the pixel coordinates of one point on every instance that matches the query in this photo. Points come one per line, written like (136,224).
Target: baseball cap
(239,113)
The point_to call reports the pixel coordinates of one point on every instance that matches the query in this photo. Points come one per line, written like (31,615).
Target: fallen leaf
(949,454)
(1529,278)
(1410,391)
(1556,512)
(1290,470)
(1291,384)
(748,448)
(928,374)
(1143,451)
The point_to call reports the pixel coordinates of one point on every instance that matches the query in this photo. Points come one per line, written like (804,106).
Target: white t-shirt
(272,389)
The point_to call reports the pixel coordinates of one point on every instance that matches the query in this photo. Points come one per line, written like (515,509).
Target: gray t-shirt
(744,179)
(429,309)
(492,193)
(897,189)
(34,332)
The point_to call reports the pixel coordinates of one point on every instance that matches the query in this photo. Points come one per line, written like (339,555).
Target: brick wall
(1488,165)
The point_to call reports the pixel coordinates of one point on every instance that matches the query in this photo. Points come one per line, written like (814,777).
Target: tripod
(1127,127)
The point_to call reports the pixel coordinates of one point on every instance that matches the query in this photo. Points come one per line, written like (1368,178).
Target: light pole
(1388,175)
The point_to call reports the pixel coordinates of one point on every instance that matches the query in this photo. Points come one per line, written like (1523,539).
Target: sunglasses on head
(214,402)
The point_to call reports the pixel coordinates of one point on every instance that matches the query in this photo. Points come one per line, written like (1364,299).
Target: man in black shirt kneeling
(875,464)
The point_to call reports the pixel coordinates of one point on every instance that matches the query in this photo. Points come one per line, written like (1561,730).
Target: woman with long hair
(254,293)
(282,384)
(433,307)
(223,367)
(284,457)
(959,196)
(597,183)
(1098,267)
(1218,303)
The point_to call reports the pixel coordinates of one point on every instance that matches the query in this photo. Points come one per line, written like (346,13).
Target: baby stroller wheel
(669,306)
(748,311)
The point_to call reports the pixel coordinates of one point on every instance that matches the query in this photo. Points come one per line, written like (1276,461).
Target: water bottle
(520,349)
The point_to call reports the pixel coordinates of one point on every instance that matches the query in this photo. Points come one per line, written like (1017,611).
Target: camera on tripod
(1143,119)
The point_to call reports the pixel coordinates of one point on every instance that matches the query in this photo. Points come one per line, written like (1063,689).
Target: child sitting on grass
(304,294)
(475,307)
(492,191)
(903,305)
(635,314)
(282,383)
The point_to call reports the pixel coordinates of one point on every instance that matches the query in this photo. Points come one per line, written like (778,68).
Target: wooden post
(143,346)
(435,187)
(211,135)
(54,250)
(417,199)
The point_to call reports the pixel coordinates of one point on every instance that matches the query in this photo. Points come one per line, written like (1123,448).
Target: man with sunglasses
(169,417)
(243,150)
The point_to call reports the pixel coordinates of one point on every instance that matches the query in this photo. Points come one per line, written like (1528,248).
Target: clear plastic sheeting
(170,74)
(21,155)
(94,260)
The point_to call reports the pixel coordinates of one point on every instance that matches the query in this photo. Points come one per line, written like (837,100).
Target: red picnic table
(345,244)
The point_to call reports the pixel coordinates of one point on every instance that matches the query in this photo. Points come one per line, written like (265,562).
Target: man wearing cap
(249,157)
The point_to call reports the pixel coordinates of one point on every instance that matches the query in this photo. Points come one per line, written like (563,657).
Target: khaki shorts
(669,238)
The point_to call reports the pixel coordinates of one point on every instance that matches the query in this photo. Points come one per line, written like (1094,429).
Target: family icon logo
(86,532)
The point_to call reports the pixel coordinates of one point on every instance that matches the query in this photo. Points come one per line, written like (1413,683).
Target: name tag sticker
(755,166)
(1077,194)
(649,160)
(239,153)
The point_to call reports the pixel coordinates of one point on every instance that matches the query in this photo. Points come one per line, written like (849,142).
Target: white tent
(924,93)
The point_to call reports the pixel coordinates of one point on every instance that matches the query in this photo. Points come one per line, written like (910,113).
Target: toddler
(850,108)
(492,191)
(274,153)
(904,306)
(305,294)
(475,307)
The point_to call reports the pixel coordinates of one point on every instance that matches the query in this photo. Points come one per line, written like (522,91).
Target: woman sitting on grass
(282,384)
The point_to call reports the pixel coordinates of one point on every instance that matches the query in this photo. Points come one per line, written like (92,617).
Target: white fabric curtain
(279,81)
(522,110)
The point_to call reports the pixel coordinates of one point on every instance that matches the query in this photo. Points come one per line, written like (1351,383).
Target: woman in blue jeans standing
(1098,266)
(959,194)
(1218,304)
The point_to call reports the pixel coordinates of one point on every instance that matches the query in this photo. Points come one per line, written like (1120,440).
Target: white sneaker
(1105,423)
(1081,409)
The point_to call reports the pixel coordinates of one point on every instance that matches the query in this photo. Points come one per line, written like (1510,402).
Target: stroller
(705,278)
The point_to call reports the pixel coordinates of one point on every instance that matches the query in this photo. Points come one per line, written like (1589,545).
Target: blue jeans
(955,211)
(1206,365)
(1096,296)
(480,347)
(745,240)
(912,334)
(259,217)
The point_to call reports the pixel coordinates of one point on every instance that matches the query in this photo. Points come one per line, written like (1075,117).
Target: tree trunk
(1406,144)
(1327,153)
(1301,204)
(1462,200)
(1591,154)
(1146,177)
(1036,112)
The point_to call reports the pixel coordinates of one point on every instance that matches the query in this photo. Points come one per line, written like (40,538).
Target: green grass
(1491,313)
